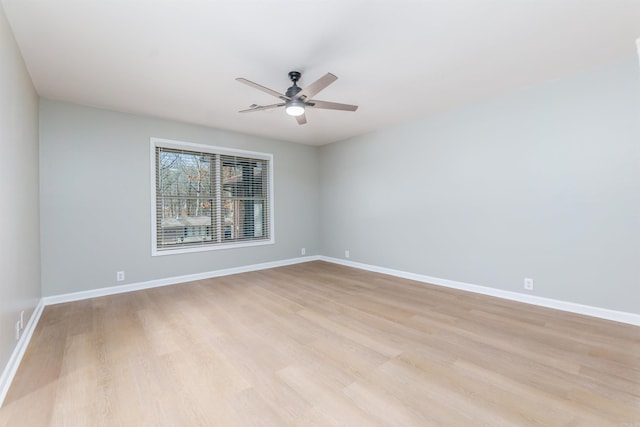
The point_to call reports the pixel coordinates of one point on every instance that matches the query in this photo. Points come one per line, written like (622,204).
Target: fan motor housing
(293,90)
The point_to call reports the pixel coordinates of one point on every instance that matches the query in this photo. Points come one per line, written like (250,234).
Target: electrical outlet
(18,330)
(22,320)
(346,253)
(303,251)
(528,284)
(120,276)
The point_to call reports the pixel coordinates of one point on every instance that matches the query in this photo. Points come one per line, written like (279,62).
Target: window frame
(215,150)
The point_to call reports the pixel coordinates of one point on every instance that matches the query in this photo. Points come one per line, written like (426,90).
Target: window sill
(205,248)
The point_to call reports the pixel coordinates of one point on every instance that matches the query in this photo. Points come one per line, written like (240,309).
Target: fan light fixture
(295,107)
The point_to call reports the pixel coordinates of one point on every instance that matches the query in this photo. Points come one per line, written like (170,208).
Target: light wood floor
(321,344)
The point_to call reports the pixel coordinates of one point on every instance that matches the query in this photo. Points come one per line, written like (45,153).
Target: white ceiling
(396,59)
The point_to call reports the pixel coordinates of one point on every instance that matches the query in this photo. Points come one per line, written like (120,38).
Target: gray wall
(544,183)
(19,242)
(95,199)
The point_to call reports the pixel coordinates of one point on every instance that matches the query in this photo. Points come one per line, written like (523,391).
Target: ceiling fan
(296,99)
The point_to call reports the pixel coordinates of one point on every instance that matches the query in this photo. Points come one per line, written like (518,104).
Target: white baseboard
(100,292)
(18,352)
(603,313)
(16,357)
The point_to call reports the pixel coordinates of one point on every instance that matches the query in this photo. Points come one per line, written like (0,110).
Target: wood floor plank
(319,344)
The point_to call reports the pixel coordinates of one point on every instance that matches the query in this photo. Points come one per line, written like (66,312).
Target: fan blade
(317,86)
(262,108)
(331,105)
(302,119)
(263,89)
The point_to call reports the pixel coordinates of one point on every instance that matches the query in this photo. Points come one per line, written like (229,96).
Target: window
(208,197)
